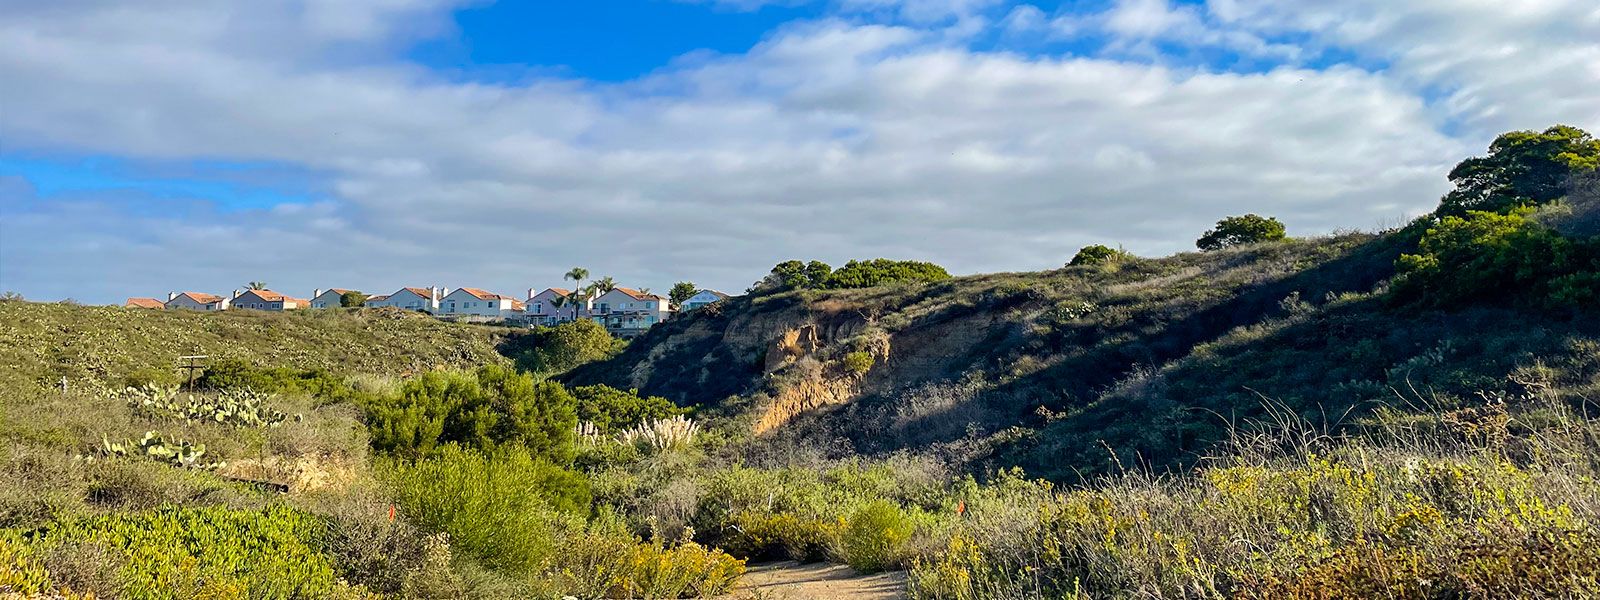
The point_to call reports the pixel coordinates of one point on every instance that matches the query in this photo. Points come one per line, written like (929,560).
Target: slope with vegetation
(1400,415)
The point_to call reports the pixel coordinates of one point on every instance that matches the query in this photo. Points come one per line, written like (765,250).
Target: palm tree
(644,291)
(257,285)
(605,284)
(577,275)
(559,302)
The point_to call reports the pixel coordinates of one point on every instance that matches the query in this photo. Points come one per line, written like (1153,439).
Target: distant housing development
(624,312)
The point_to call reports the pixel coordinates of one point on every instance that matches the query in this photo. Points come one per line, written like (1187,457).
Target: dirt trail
(793,581)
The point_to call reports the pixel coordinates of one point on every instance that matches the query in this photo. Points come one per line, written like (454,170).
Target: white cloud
(1497,65)
(835,139)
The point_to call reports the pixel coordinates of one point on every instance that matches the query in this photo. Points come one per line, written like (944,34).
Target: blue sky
(196,145)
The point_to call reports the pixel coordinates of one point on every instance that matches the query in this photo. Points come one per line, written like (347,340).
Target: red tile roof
(484,295)
(199,297)
(271,296)
(144,303)
(418,291)
(377,298)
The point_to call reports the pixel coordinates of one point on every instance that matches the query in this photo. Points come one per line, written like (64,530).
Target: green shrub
(209,552)
(607,562)
(505,510)
(858,363)
(612,410)
(1241,230)
(882,271)
(491,408)
(561,348)
(1097,254)
(875,537)
(1485,255)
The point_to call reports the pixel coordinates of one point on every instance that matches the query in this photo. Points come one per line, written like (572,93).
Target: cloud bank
(895,128)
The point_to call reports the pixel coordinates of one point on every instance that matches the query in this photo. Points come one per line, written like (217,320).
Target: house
(628,312)
(196,301)
(702,298)
(411,298)
(475,302)
(329,298)
(267,300)
(144,303)
(541,308)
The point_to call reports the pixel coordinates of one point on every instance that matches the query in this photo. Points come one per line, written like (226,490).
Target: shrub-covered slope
(41,343)
(1151,358)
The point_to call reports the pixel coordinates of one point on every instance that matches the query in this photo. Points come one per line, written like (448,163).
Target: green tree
(789,274)
(681,292)
(562,347)
(575,299)
(1241,230)
(1523,167)
(817,273)
(256,285)
(1096,254)
(604,285)
(352,299)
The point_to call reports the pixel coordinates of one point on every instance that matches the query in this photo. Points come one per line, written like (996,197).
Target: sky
(174,145)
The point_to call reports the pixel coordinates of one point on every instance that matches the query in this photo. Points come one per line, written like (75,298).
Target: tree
(817,273)
(1097,254)
(256,285)
(604,285)
(1238,231)
(352,299)
(1523,167)
(577,275)
(681,292)
(788,274)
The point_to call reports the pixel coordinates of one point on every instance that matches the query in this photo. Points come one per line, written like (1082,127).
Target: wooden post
(189,369)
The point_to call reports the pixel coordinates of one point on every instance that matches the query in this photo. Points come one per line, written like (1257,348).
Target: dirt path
(794,581)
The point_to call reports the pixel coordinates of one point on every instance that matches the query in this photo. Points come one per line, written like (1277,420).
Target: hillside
(41,343)
(1154,358)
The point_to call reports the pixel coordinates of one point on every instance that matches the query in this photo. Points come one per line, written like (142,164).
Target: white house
(266,300)
(196,301)
(627,311)
(702,298)
(411,298)
(330,298)
(541,308)
(476,302)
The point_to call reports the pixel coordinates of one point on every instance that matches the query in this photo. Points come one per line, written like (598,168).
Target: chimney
(530,293)
(315,293)
(172,296)
(444,291)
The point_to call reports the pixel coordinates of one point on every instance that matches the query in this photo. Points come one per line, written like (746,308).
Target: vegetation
(352,299)
(559,348)
(490,409)
(1522,168)
(681,292)
(611,410)
(793,274)
(1098,254)
(1241,230)
(1398,415)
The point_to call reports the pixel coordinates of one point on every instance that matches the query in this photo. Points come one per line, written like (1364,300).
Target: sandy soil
(794,581)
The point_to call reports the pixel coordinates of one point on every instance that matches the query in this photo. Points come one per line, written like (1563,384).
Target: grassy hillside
(41,343)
